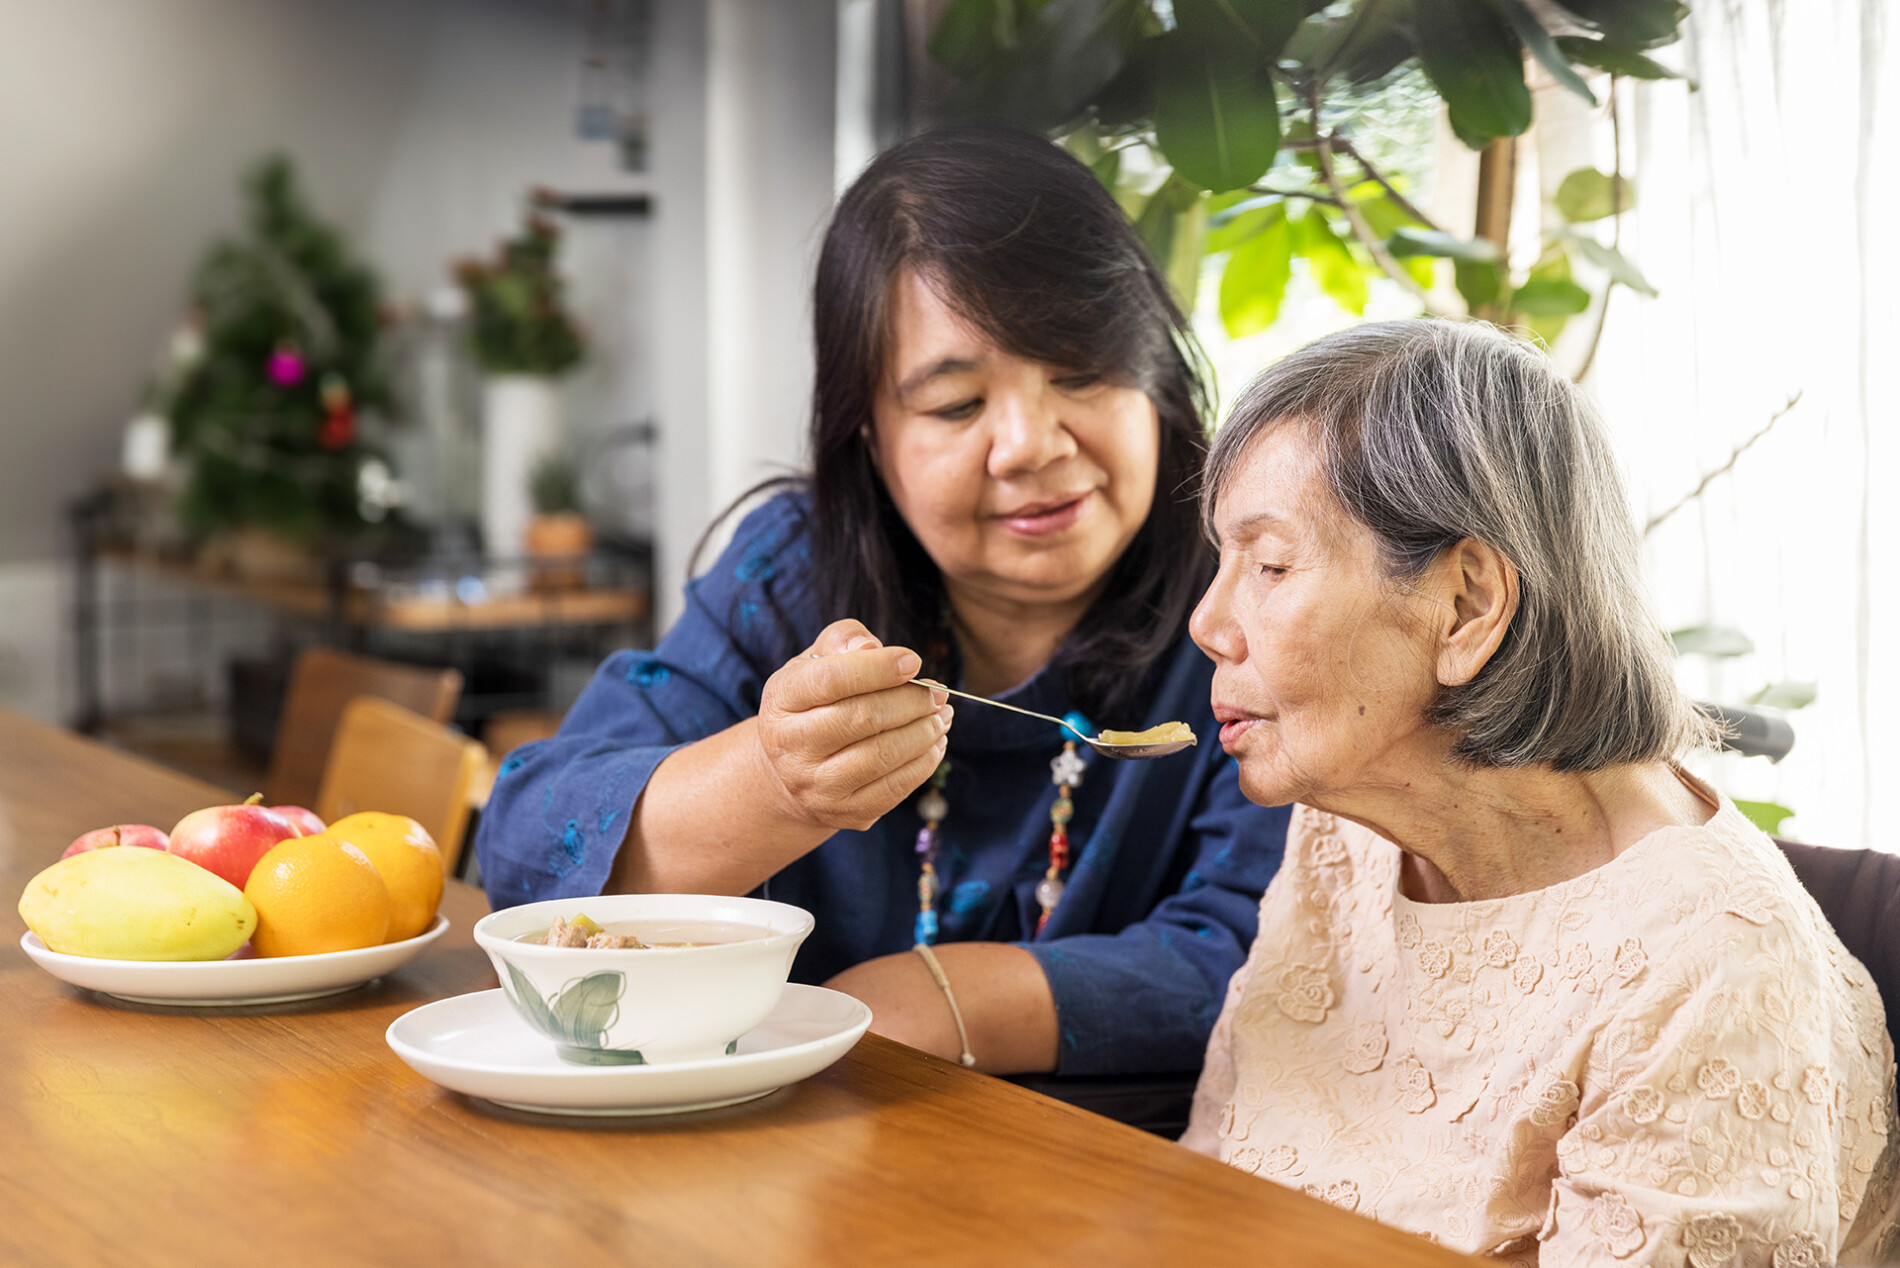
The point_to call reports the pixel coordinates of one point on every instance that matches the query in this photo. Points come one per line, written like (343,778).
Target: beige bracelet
(964,1058)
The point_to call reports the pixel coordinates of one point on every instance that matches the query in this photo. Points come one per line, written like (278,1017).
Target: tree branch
(1307,194)
(1404,204)
(1726,467)
(1354,217)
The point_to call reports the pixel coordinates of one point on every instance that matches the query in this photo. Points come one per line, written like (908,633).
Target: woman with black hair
(1006,444)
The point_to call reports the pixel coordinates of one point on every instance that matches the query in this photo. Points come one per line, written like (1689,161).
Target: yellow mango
(133,904)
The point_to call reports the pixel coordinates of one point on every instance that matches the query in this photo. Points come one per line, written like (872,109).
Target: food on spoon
(406,858)
(1166,733)
(118,834)
(314,895)
(228,841)
(136,905)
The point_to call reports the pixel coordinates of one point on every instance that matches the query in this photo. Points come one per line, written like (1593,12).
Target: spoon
(1107,748)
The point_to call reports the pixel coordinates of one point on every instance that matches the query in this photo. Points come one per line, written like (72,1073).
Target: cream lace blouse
(1668,1060)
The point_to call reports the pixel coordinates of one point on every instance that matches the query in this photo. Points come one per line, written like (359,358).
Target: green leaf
(528,1000)
(966,35)
(1631,23)
(1253,284)
(1785,695)
(1127,102)
(1603,55)
(1474,61)
(1766,815)
(1183,264)
(1173,224)
(1216,116)
(1229,228)
(1710,640)
(1407,241)
(1550,297)
(586,1007)
(1587,194)
(1035,63)
(1332,262)
(1362,42)
(1383,216)
(1531,33)
(1481,282)
(1259,27)
(1613,262)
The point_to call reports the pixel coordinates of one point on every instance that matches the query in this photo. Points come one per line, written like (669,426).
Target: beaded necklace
(1065,772)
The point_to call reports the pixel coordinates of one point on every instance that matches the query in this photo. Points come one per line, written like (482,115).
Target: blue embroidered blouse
(1170,857)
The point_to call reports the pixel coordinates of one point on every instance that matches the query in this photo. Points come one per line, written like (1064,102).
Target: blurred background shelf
(186,661)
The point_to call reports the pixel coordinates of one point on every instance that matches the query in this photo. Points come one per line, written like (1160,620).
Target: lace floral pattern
(1615,1223)
(1668,1060)
(1305,994)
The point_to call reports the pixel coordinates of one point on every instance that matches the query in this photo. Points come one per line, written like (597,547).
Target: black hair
(1022,241)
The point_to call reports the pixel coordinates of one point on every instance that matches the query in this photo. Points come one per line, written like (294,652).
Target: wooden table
(292,1135)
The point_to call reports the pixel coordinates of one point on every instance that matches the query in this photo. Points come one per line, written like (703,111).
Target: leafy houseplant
(522,337)
(516,321)
(558,535)
(281,358)
(1247,109)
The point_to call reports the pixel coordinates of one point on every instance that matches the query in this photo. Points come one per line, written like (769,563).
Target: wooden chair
(322,683)
(391,759)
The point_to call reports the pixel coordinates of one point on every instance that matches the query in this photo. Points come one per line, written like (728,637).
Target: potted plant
(558,536)
(522,338)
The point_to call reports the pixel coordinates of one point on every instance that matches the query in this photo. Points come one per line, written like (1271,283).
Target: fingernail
(946,715)
(861,643)
(909,664)
(938,696)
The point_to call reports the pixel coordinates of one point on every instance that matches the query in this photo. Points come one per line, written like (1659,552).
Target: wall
(123,126)
(767,168)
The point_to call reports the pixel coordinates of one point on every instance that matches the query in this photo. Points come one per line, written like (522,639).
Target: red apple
(228,840)
(118,834)
(306,820)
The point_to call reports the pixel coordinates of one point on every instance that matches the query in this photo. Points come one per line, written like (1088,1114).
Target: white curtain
(1768,218)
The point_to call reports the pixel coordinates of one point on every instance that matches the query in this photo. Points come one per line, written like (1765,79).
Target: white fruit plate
(231,983)
(477,1045)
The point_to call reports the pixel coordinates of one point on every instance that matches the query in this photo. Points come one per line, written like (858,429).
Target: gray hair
(1432,432)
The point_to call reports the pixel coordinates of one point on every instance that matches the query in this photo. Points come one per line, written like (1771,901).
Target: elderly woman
(1006,435)
(1523,984)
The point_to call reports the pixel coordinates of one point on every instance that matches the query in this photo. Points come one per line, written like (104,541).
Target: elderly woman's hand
(845,733)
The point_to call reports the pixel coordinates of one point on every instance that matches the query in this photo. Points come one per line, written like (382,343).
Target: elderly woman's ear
(1478,589)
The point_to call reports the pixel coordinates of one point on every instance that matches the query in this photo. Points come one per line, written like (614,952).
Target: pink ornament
(286,366)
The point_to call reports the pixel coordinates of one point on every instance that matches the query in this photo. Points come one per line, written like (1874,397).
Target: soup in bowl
(669,977)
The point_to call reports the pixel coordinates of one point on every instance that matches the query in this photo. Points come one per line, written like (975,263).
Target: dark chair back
(1859,893)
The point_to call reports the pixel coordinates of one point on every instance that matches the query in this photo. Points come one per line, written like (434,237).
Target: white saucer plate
(476,1044)
(231,983)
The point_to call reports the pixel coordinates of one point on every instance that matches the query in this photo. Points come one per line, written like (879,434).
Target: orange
(315,894)
(411,866)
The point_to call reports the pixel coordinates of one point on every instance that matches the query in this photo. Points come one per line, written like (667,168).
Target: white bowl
(649,1006)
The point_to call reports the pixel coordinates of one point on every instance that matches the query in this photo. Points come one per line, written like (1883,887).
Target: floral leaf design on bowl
(528,1000)
(579,1015)
(587,1007)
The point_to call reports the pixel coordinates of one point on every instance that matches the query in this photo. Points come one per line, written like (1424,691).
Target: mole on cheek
(1362,711)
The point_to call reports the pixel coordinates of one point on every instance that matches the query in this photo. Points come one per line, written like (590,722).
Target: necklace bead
(933,807)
